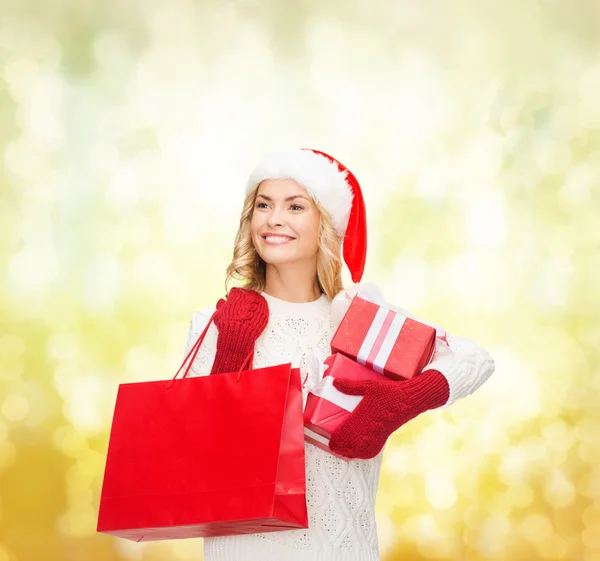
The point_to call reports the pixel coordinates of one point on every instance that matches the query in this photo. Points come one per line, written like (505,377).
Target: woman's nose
(276,218)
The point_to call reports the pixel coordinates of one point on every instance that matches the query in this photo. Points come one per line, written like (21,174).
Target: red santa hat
(333,186)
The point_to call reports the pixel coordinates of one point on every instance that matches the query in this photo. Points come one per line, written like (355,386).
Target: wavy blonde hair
(249,267)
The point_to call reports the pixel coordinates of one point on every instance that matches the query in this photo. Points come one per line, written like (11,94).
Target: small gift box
(384,340)
(326,407)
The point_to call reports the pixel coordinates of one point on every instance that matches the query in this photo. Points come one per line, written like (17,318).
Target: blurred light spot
(111,50)
(563,123)
(386,532)
(6,555)
(20,73)
(124,192)
(559,491)
(441,492)
(423,528)
(32,268)
(101,283)
(554,547)
(536,528)
(493,534)
(11,347)
(64,374)
(8,454)
(43,117)
(79,522)
(589,109)
(69,441)
(433,181)
(591,555)
(491,436)
(589,452)
(132,550)
(591,536)
(154,272)
(137,230)
(83,404)
(138,361)
(485,219)
(181,222)
(11,368)
(579,185)
(29,160)
(89,466)
(63,346)
(520,495)
(412,278)
(15,408)
(78,497)
(591,515)
(404,494)
(348,115)
(552,156)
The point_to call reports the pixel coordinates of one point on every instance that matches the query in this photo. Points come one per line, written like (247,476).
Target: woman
(300,205)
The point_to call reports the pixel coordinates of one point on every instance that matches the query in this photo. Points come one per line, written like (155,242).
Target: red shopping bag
(209,456)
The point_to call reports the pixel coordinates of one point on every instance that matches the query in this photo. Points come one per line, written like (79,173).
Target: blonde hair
(249,267)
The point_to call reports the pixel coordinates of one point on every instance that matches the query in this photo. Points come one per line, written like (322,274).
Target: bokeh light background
(127,131)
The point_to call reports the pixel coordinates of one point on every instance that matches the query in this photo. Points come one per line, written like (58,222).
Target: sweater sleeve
(465,369)
(203,362)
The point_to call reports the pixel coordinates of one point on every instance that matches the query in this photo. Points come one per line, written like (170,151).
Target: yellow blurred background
(127,130)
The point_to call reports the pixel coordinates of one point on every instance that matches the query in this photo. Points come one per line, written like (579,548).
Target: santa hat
(333,186)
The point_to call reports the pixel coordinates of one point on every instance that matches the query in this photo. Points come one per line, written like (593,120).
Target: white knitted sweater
(340,494)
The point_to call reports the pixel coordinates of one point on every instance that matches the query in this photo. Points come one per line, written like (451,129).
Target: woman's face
(285,222)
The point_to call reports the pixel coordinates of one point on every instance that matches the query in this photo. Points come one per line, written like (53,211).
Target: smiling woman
(303,216)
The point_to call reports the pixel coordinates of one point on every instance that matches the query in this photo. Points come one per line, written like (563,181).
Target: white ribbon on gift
(326,390)
(384,352)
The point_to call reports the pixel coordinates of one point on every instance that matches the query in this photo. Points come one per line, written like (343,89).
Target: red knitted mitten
(240,320)
(386,406)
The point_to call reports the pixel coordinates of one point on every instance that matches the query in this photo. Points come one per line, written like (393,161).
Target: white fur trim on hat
(318,175)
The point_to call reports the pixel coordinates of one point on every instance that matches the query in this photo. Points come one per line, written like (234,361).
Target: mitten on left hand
(385,407)
(240,320)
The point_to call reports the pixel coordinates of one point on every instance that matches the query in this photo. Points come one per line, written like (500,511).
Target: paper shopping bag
(208,456)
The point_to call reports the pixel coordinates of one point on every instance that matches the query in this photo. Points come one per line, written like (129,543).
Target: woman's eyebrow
(286,199)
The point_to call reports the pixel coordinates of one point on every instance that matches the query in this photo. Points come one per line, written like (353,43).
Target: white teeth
(277,239)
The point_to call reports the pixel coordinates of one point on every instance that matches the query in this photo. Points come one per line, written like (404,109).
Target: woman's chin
(278,257)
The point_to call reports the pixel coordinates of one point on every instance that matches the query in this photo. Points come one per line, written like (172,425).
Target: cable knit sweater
(340,494)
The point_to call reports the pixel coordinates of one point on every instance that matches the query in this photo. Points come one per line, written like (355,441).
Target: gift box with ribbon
(384,340)
(326,407)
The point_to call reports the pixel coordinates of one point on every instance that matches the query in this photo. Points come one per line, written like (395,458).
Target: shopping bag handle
(194,351)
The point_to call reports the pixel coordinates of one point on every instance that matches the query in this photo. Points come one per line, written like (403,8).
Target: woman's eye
(261,205)
(297,207)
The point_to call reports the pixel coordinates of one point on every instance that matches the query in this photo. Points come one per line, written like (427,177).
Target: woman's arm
(465,369)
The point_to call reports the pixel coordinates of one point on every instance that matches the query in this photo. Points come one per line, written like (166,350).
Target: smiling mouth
(277,240)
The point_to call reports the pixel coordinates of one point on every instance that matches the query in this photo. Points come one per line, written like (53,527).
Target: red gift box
(384,340)
(326,407)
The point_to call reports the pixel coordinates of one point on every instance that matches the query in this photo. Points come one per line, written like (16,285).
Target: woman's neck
(293,284)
